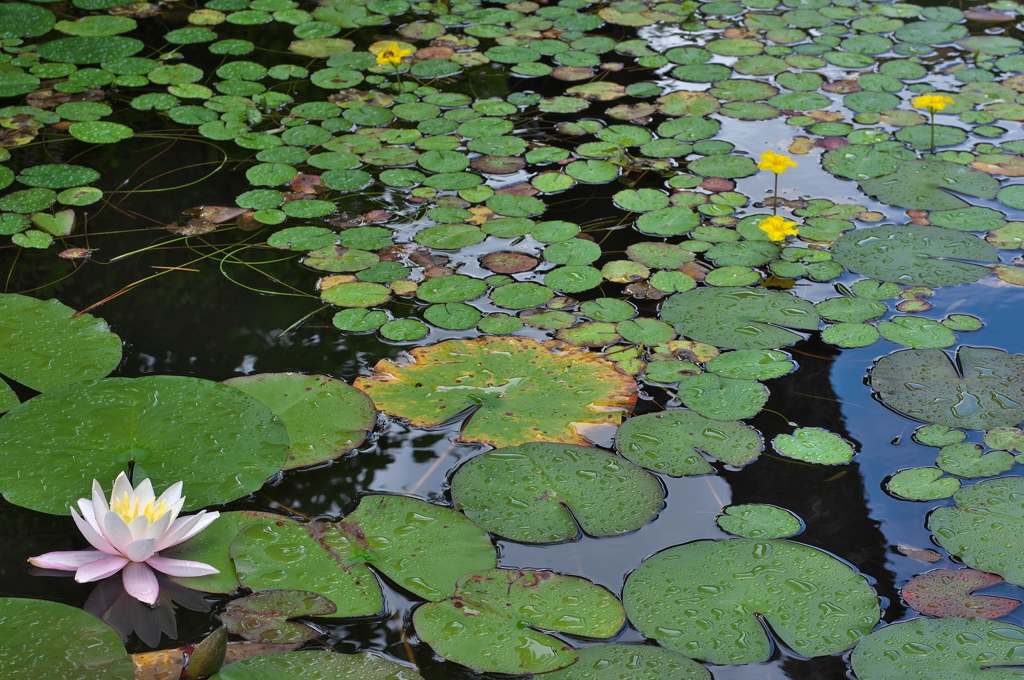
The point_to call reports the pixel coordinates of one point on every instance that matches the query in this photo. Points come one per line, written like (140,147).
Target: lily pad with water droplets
(940,649)
(814,445)
(325,417)
(635,662)
(740,318)
(672,442)
(46,345)
(263,616)
(922,484)
(983,389)
(757,520)
(931,185)
(545,493)
(914,254)
(490,623)
(517,389)
(225,443)
(316,665)
(721,398)
(948,592)
(985,528)
(706,600)
(79,646)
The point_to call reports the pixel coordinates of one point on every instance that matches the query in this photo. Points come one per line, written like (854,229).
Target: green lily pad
(89,50)
(814,445)
(325,417)
(100,132)
(970,460)
(636,662)
(357,294)
(981,390)
(914,254)
(706,600)
(521,295)
(922,484)
(79,647)
(316,665)
(914,331)
(546,493)
(496,377)
(22,20)
(721,398)
(724,166)
(740,318)
(454,288)
(940,649)
(859,162)
(57,176)
(852,310)
(984,529)
(757,520)
(28,200)
(507,603)
(46,345)
(930,185)
(672,441)
(263,616)
(752,364)
(940,435)
(226,446)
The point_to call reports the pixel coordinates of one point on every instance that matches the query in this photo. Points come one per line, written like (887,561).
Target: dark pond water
(202,306)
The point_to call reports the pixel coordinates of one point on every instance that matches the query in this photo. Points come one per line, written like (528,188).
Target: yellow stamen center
(129,508)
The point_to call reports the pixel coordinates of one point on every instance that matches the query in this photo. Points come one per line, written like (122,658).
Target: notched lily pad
(539,492)
(489,623)
(316,665)
(930,185)
(948,592)
(757,520)
(707,599)
(519,390)
(263,616)
(814,445)
(636,662)
(982,389)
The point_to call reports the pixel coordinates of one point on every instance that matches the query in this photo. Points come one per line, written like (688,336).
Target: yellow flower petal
(392,54)
(931,102)
(776,162)
(777,228)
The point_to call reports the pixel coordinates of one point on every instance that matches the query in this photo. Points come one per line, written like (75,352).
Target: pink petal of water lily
(173,567)
(140,582)
(185,528)
(99,501)
(116,531)
(66,560)
(140,551)
(101,568)
(95,538)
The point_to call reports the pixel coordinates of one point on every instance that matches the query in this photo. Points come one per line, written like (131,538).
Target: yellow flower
(776,162)
(931,102)
(777,228)
(392,54)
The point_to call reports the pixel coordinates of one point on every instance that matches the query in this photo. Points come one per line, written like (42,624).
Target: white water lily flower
(127,534)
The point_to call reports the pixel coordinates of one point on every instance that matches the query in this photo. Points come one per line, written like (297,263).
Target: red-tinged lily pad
(947,592)
(517,389)
(263,616)
(325,417)
(508,263)
(489,624)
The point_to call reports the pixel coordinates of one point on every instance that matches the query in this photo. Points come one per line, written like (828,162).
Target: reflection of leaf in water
(985,388)
(519,390)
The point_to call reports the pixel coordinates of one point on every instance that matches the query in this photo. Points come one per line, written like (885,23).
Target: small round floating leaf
(357,294)
(672,441)
(740,318)
(452,316)
(645,331)
(573,278)
(46,345)
(575,251)
(22,20)
(797,589)
(939,649)
(324,417)
(922,484)
(641,200)
(969,460)
(753,364)
(13,84)
(97,652)
(758,520)
(509,604)
(359,320)
(500,376)
(404,330)
(595,172)
(450,236)
(590,334)
(850,309)
(321,47)
(636,662)
(981,391)
(914,254)
(849,335)
(545,493)
(724,166)
(814,445)
(516,206)
(608,309)
(672,221)
(962,322)
(89,50)
(28,200)
(100,132)
(721,398)
(227,446)
(308,208)
(948,592)
(263,616)
(454,288)
(914,331)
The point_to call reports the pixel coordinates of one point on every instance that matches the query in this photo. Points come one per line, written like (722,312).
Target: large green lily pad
(219,441)
(931,185)
(986,528)
(316,665)
(630,662)
(539,492)
(44,345)
(914,254)
(672,441)
(941,649)
(489,623)
(982,389)
(706,600)
(519,390)
(41,640)
(740,318)
(325,417)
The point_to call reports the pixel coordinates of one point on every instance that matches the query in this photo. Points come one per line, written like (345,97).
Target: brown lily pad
(508,263)
(947,592)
